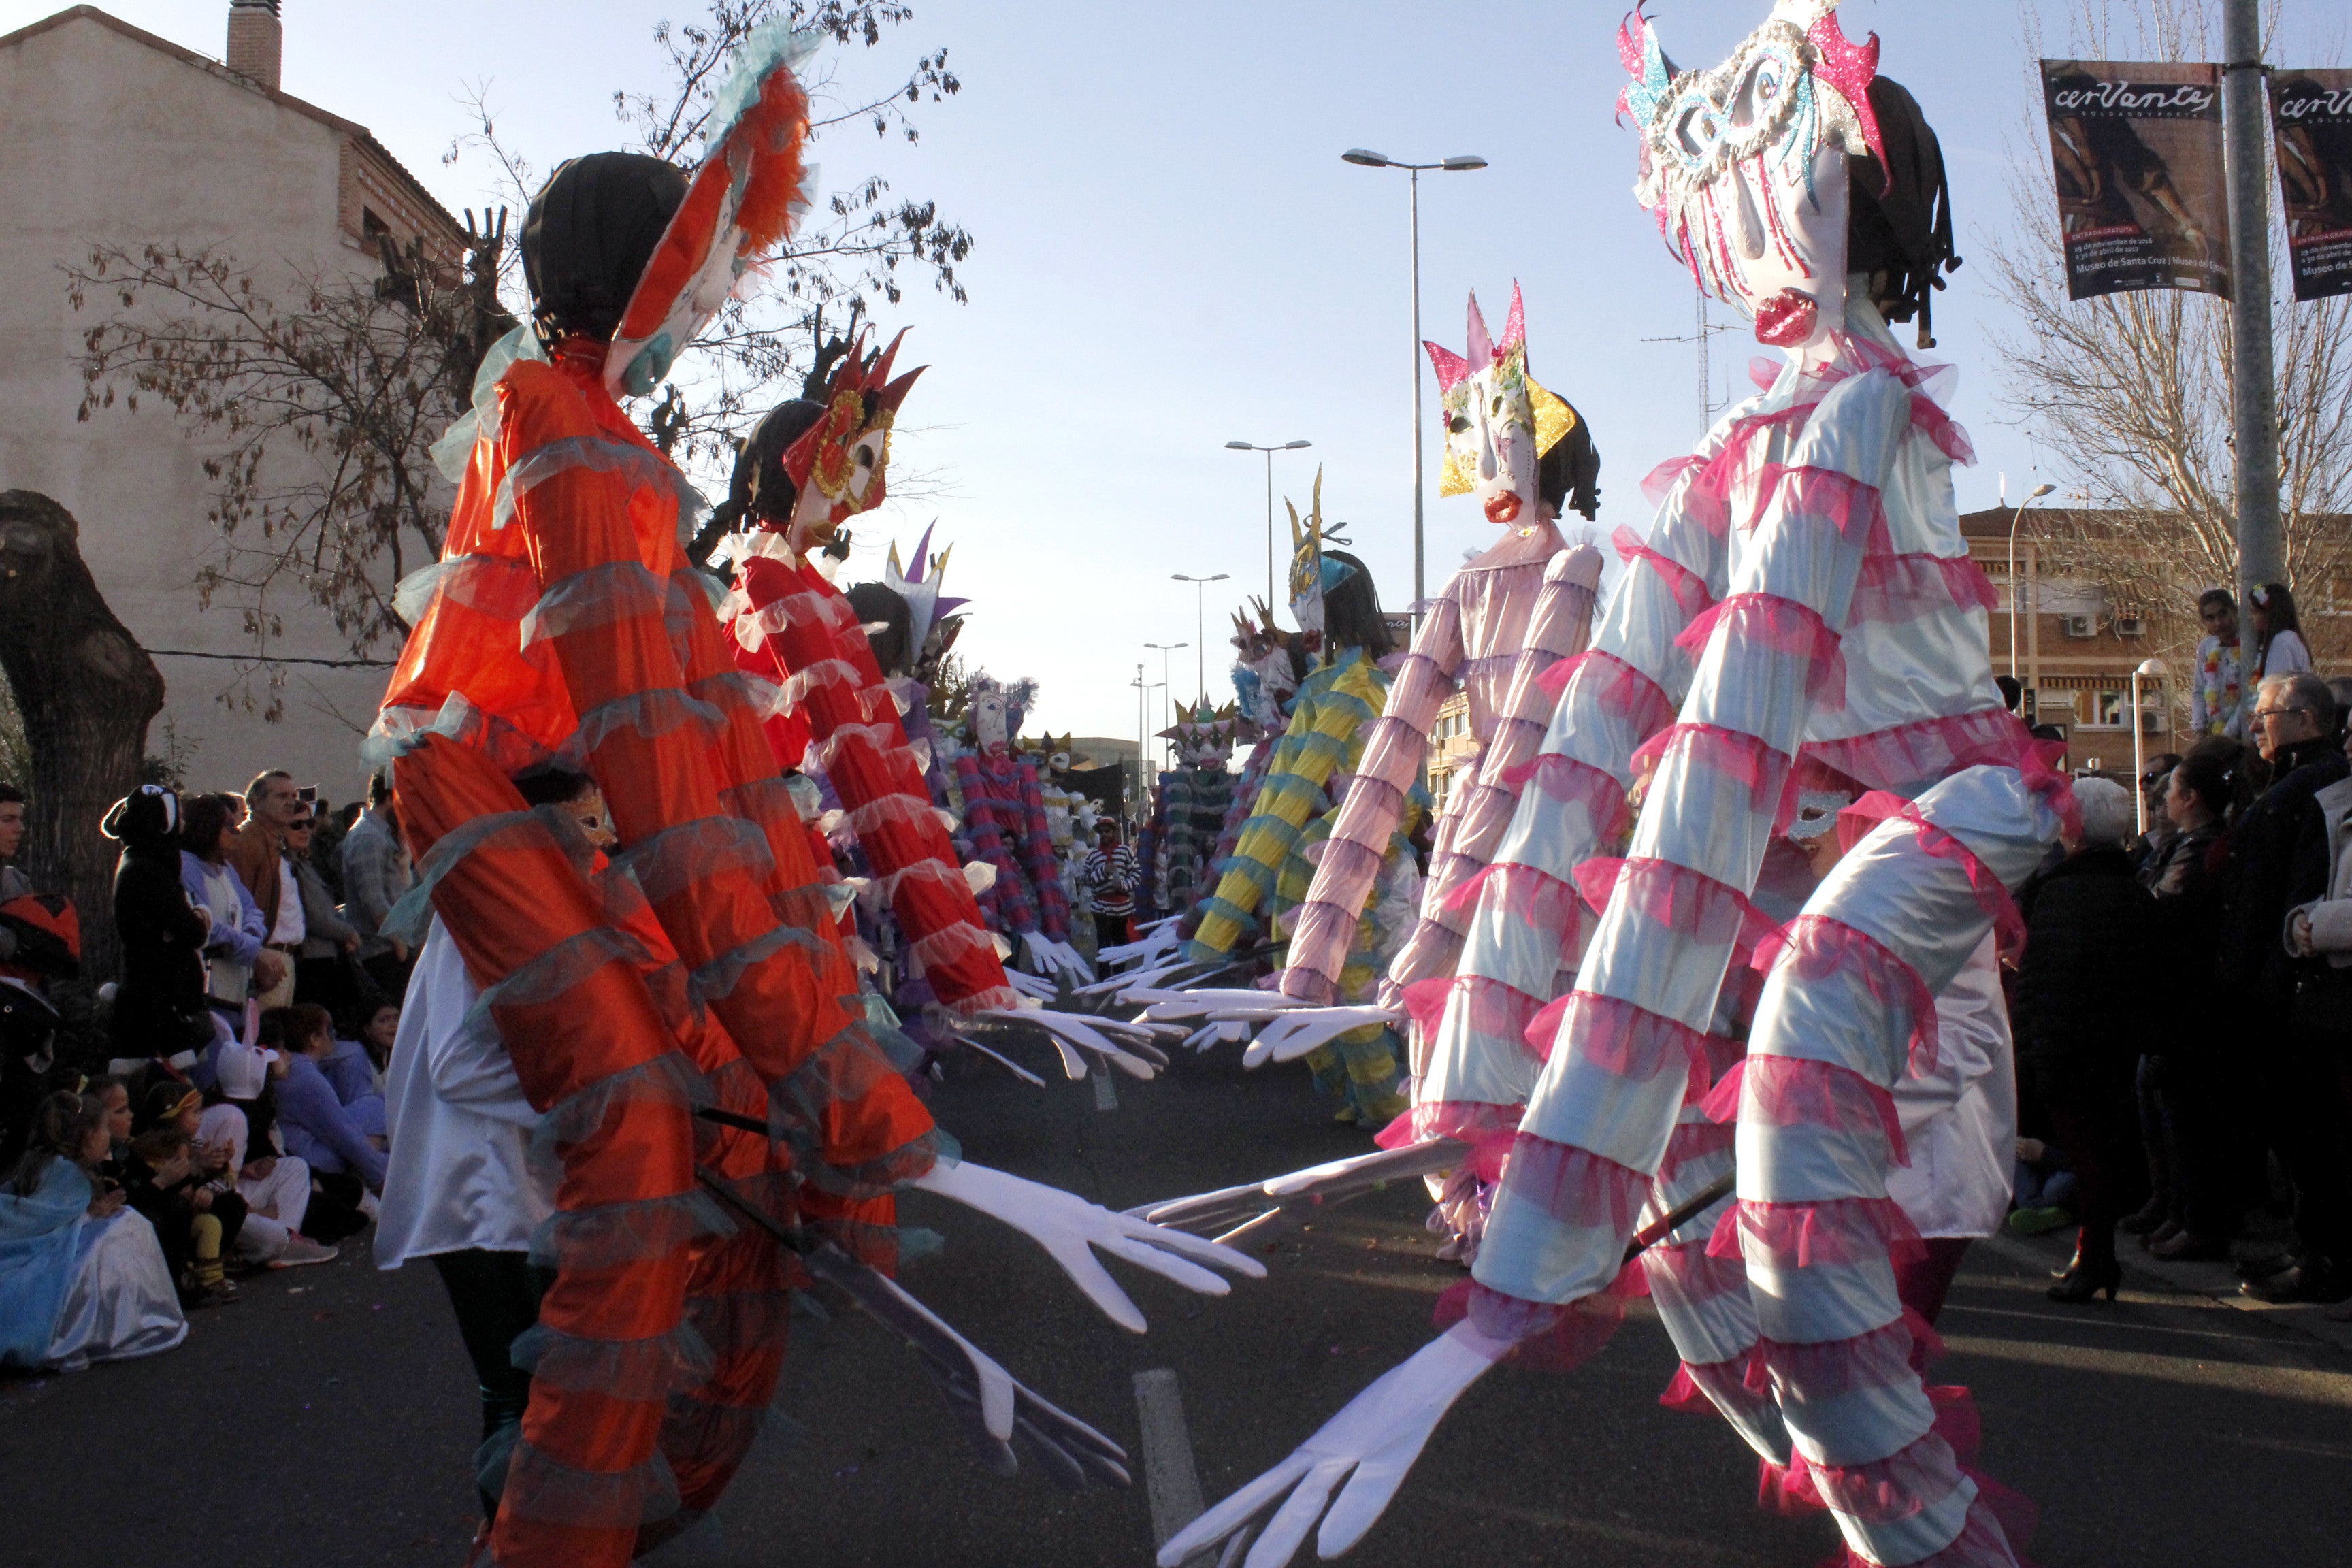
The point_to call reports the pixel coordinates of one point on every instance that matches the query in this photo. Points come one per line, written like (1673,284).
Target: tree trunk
(87,692)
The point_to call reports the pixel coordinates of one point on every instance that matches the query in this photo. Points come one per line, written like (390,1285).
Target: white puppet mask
(1745,165)
(991,733)
(1499,421)
(1312,572)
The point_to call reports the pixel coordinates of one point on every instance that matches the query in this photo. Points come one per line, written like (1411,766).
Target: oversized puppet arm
(1473,828)
(1044,868)
(810,642)
(1377,797)
(1325,735)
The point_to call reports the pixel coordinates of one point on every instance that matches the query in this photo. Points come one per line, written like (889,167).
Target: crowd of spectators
(239,1124)
(2183,1005)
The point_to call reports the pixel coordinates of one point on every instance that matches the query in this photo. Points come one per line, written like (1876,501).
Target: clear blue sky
(1170,254)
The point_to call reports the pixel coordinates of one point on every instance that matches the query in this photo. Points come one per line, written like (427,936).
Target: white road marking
(1106,1092)
(1169,1479)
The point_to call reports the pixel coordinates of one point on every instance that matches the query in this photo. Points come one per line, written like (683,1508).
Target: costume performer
(564,620)
(1193,797)
(1004,825)
(1804,591)
(1331,595)
(1496,629)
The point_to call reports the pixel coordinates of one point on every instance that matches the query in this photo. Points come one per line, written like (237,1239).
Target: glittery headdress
(1495,374)
(1312,575)
(846,452)
(1794,85)
(920,588)
(745,198)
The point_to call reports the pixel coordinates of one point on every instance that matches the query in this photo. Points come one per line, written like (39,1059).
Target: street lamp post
(2153,669)
(1165,649)
(1269,451)
(1201,623)
(1460,164)
(1142,789)
(2016,593)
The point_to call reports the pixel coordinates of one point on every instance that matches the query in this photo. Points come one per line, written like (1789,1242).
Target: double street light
(1200,625)
(2015,592)
(1460,164)
(1269,451)
(1165,687)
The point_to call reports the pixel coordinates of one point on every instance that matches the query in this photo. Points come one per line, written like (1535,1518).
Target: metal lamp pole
(2016,593)
(2153,669)
(1201,624)
(1460,164)
(2253,390)
(1165,649)
(1142,791)
(1269,451)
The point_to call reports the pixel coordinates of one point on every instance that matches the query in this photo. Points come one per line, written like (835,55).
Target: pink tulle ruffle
(1688,586)
(1794,1091)
(1575,1185)
(1628,1040)
(1905,587)
(1768,621)
(1981,1544)
(1564,778)
(1552,1337)
(1689,1273)
(1689,903)
(1487,1128)
(1622,689)
(1696,1140)
(1833,1232)
(1736,755)
(1816,947)
(1909,757)
(1524,894)
(1888,1491)
(1854,508)
(1991,895)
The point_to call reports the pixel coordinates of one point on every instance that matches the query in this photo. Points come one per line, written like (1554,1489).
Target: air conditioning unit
(2078,627)
(2131,627)
(2090,764)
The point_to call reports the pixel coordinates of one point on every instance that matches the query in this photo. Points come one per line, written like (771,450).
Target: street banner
(2135,150)
(2311,121)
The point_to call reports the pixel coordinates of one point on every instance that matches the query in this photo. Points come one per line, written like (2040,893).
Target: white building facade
(116,137)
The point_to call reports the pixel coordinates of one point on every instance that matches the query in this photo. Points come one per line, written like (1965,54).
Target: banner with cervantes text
(2135,150)
(2311,122)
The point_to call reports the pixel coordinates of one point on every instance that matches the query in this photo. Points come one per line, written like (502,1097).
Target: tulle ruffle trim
(1785,626)
(1611,685)
(1908,758)
(640,1370)
(1487,1128)
(1688,588)
(1795,1091)
(1813,947)
(1630,1041)
(1575,1185)
(1562,778)
(1832,1232)
(1991,894)
(1550,1336)
(1768,774)
(541,1488)
(1905,587)
(1690,903)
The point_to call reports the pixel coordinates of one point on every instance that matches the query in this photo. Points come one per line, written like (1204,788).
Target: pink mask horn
(1481,348)
(1451,368)
(1515,330)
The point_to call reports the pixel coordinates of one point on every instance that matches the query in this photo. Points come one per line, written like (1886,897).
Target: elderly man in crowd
(2293,721)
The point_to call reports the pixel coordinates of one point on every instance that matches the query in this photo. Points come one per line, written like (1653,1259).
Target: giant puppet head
(1203,736)
(809,467)
(994,713)
(1499,423)
(1745,165)
(1266,668)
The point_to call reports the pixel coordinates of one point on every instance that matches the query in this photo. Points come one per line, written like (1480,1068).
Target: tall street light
(2150,669)
(2016,593)
(1142,800)
(1269,451)
(1460,164)
(1201,624)
(1165,687)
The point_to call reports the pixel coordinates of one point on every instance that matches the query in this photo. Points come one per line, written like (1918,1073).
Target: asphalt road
(327,1420)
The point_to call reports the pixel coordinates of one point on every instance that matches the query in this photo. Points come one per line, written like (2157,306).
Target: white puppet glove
(1216,1003)
(1293,1035)
(1159,941)
(1370,1446)
(1125,1045)
(1070,1228)
(1048,957)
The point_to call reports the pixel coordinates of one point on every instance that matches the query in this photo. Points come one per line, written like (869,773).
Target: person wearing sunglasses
(2300,1109)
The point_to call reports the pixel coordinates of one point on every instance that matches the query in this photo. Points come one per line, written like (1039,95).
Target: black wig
(880,605)
(1899,213)
(589,234)
(1351,611)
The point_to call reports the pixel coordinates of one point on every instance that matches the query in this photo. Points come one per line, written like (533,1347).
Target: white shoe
(300,1251)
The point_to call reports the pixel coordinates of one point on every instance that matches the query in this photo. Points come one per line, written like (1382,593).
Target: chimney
(255,41)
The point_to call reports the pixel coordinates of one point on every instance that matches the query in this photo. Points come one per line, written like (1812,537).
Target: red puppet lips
(1787,318)
(1503,507)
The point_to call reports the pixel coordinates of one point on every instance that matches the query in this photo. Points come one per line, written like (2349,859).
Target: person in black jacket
(2215,1170)
(2086,994)
(2303,1113)
(159,1007)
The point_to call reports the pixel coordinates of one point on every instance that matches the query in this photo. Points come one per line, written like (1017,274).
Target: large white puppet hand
(1125,1045)
(1048,957)
(1368,1445)
(1070,1228)
(1293,1035)
(1211,1002)
(1231,1214)
(1159,940)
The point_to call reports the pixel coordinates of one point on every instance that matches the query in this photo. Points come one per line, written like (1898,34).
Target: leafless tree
(857,249)
(2128,395)
(320,396)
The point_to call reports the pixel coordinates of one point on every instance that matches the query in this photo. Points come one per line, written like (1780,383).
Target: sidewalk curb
(2218,1280)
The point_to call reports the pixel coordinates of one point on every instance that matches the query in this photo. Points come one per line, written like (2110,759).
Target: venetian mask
(1745,165)
(837,467)
(1497,419)
(1203,735)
